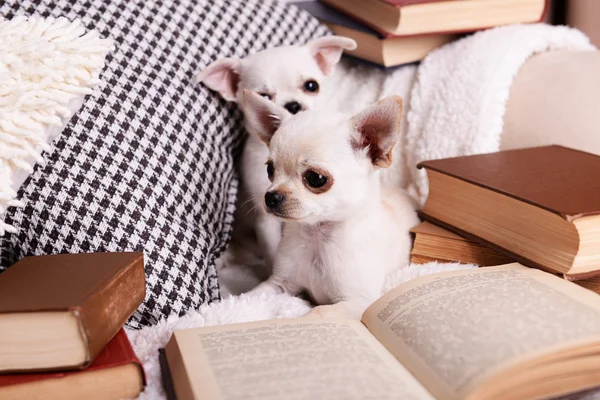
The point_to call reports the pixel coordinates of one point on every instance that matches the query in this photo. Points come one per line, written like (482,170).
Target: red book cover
(116,353)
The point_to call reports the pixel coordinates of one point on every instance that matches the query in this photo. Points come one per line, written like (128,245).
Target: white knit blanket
(47,66)
(458,101)
(456,108)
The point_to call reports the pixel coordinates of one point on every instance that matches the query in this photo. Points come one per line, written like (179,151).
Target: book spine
(167,379)
(107,309)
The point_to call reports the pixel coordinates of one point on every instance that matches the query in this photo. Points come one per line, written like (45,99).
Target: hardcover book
(373,46)
(418,17)
(436,244)
(540,206)
(449,336)
(115,374)
(433,243)
(59,311)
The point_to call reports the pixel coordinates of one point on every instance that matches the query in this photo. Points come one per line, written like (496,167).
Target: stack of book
(394,32)
(62,335)
(538,206)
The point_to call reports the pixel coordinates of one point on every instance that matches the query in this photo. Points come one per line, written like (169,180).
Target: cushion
(147,163)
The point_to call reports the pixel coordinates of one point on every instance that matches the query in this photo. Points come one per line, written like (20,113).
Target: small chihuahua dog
(344,231)
(292,77)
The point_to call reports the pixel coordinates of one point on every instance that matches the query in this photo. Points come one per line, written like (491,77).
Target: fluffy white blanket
(47,66)
(457,106)
(459,98)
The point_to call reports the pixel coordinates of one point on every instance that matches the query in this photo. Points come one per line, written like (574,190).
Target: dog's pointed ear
(263,116)
(328,50)
(222,76)
(377,129)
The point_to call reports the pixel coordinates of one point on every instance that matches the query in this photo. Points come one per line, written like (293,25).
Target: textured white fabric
(47,66)
(147,341)
(459,98)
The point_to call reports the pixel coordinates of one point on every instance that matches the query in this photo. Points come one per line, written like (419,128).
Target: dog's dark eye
(270,170)
(314,179)
(266,96)
(311,86)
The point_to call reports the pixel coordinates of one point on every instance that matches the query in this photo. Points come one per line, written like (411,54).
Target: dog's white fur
(279,72)
(338,244)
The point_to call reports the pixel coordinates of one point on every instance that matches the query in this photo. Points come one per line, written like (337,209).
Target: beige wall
(585,15)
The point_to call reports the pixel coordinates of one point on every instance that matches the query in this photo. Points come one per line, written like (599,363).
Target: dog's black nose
(273,199)
(293,107)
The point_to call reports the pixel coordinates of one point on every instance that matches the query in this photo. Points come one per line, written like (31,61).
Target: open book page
(455,329)
(294,359)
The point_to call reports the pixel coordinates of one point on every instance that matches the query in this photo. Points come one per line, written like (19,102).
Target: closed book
(433,243)
(418,17)
(540,206)
(373,46)
(115,374)
(165,373)
(59,311)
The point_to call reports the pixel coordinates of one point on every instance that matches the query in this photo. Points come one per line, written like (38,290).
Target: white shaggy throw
(47,66)
(458,101)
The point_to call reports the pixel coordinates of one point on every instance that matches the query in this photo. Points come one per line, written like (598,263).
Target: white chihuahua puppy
(292,77)
(344,230)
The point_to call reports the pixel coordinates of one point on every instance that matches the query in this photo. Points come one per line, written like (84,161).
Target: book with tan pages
(372,46)
(539,206)
(115,374)
(450,336)
(434,243)
(419,17)
(57,312)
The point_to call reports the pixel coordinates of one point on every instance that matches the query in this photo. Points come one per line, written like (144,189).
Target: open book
(506,332)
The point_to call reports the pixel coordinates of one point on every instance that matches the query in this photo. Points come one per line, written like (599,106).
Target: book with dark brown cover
(101,289)
(555,178)
(403,3)
(165,372)
(116,353)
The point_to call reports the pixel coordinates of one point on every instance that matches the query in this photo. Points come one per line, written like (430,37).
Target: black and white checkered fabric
(147,163)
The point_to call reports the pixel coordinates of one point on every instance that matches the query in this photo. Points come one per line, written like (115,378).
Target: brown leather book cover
(165,372)
(116,353)
(555,178)
(102,289)
(403,3)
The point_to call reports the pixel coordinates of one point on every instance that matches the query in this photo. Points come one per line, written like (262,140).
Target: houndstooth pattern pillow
(147,162)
